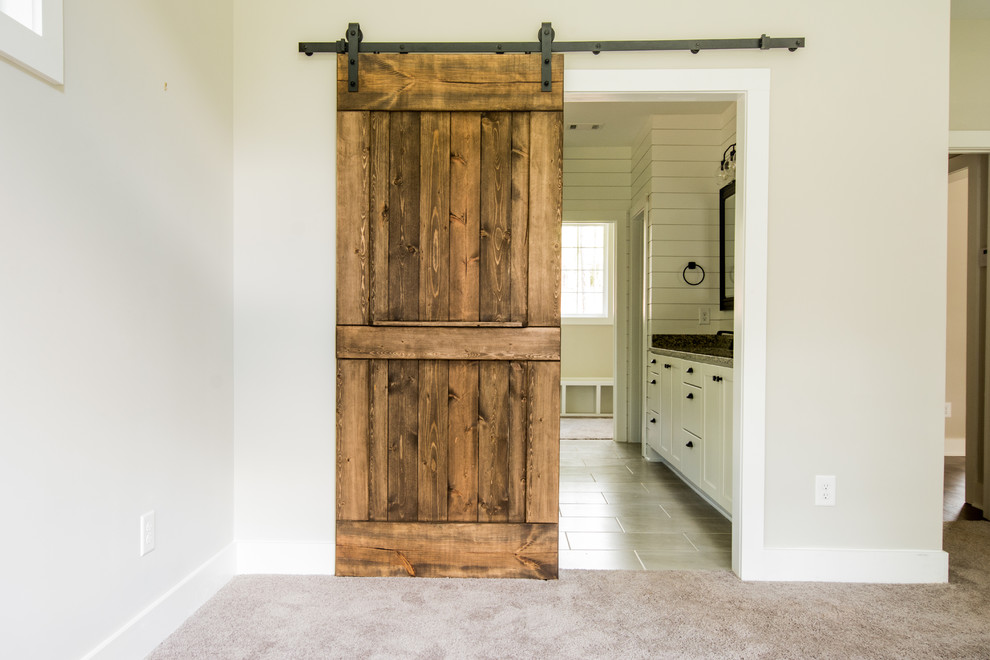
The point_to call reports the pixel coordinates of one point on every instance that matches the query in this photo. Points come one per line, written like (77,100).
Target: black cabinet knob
(690,395)
(653,361)
(653,382)
(690,443)
(690,370)
(653,420)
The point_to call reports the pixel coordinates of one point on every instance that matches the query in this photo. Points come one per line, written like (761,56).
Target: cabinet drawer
(692,374)
(653,430)
(692,407)
(653,389)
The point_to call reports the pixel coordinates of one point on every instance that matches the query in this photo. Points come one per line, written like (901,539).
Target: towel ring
(691,266)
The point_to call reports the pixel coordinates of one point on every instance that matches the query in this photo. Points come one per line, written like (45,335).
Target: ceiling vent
(585,127)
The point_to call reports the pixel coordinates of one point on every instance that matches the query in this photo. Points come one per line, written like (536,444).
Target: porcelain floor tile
(568,524)
(618,497)
(621,541)
(646,524)
(612,560)
(706,542)
(606,510)
(582,498)
(600,487)
(686,561)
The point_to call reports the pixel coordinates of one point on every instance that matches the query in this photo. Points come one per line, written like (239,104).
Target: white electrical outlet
(825,490)
(704,316)
(147,533)
(948,409)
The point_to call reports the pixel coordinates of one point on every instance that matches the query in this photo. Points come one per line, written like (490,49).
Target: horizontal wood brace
(449,324)
(413,549)
(447,343)
(450,82)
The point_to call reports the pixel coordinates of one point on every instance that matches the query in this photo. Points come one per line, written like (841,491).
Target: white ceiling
(623,121)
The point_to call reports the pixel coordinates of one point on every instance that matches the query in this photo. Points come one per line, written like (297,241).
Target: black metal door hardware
(353,44)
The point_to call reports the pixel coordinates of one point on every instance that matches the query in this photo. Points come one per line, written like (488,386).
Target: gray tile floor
(618,511)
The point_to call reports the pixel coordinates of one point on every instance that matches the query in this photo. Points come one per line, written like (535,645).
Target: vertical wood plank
(353,285)
(545,190)
(496,148)
(462,444)
(352,440)
(403,445)
(493,442)
(432,440)
(519,220)
(378,441)
(465,227)
(518,445)
(434,209)
(542,476)
(378,221)
(403,217)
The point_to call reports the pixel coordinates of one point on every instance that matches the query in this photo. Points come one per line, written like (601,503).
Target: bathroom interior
(647,334)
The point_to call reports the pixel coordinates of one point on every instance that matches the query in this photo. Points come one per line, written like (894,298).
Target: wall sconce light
(727,168)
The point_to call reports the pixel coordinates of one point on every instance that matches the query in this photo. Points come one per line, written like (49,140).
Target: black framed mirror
(727,246)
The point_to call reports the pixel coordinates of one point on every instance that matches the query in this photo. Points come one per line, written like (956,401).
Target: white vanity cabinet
(716,455)
(689,422)
(662,375)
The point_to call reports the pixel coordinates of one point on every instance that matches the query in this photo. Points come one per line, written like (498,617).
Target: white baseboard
(838,565)
(285,557)
(955,446)
(139,636)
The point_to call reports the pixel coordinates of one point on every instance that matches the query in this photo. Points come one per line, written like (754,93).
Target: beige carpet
(599,614)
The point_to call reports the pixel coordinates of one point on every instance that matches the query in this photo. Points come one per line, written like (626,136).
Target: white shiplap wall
(596,183)
(674,164)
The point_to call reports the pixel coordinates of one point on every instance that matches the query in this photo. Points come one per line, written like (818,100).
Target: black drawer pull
(690,443)
(666,366)
(653,420)
(653,361)
(653,382)
(717,379)
(690,370)
(690,395)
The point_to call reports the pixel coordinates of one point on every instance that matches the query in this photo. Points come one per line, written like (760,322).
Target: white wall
(675,163)
(115,331)
(587,351)
(829,294)
(284,155)
(969,88)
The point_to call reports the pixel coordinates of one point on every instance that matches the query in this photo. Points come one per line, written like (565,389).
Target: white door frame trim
(750,88)
(969,142)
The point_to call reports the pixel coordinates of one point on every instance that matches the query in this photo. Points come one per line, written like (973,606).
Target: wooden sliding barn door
(448,316)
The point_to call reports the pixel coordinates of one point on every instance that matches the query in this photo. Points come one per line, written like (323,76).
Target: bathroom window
(31,36)
(585,292)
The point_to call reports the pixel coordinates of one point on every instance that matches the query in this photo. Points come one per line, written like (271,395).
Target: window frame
(609,273)
(41,54)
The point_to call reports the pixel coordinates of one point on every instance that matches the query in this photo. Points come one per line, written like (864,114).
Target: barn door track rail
(353,44)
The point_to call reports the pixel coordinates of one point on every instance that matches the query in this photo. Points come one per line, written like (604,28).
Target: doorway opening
(588,271)
(965,462)
(652,169)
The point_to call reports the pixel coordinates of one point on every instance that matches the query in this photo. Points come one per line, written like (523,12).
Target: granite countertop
(707,349)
